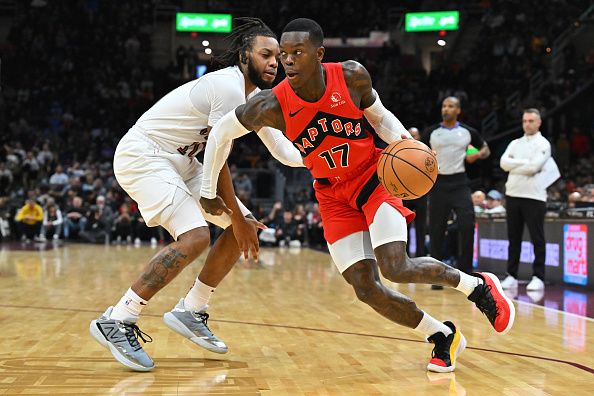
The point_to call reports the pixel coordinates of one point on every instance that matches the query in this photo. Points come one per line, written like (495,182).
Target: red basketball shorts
(349,206)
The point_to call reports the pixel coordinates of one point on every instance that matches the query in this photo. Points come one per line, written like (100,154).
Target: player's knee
(368,291)
(195,241)
(392,261)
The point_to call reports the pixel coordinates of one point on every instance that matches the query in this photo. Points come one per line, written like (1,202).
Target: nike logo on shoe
(295,113)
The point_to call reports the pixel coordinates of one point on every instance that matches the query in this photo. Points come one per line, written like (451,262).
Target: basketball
(407,169)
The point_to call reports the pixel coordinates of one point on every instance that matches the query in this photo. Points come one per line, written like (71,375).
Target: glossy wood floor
(293,327)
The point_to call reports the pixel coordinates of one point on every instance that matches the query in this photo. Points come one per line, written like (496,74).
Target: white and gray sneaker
(509,283)
(121,338)
(193,326)
(536,284)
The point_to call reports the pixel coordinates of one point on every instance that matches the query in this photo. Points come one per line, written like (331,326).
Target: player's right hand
(215,206)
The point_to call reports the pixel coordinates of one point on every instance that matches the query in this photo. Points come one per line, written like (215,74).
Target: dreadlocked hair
(241,39)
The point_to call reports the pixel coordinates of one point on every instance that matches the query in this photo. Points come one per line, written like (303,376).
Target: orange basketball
(407,169)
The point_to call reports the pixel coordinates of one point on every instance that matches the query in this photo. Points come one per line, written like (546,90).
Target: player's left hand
(215,206)
(404,136)
(246,234)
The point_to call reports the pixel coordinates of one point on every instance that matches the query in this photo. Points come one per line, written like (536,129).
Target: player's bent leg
(221,259)
(225,251)
(388,236)
(120,337)
(170,261)
(116,329)
(189,317)
(364,277)
(353,256)
(396,266)
(193,323)
(448,341)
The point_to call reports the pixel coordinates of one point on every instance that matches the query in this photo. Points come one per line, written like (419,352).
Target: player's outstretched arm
(258,112)
(280,147)
(385,123)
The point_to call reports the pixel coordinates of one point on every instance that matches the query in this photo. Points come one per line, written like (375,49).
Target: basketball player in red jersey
(320,108)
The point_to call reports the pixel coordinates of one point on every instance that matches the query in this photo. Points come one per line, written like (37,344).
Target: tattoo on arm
(163,267)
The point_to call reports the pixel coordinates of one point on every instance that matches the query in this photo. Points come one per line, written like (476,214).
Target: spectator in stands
(573,198)
(5,218)
(106,211)
(52,222)
(289,232)
(315,229)
(300,216)
(29,219)
(43,195)
(494,204)
(479,201)
(5,179)
(243,186)
(30,170)
(142,232)
(45,158)
(275,216)
(97,227)
(76,220)
(123,224)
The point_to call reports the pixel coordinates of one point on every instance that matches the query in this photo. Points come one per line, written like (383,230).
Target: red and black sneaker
(446,350)
(490,300)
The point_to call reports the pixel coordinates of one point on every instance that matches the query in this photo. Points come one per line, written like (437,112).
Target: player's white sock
(429,326)
(468,283)
(198,296)
(129,307)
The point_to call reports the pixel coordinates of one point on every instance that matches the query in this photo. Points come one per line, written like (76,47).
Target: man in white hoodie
(526,198)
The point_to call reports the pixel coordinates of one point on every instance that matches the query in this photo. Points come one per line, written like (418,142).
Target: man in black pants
(419,206)
(450,140)
(526,199)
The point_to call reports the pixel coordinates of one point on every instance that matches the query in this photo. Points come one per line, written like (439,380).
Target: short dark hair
(241,40)
(316,34)
(532,110)
(455,100)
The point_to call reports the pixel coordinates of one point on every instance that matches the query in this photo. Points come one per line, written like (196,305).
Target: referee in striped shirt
(450,140)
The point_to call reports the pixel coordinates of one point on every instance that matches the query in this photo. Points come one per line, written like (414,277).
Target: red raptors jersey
(329,133)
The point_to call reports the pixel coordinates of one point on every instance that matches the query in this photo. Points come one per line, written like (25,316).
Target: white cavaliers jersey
(179,121)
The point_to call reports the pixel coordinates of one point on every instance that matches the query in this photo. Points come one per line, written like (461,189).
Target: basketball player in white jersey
(155,164)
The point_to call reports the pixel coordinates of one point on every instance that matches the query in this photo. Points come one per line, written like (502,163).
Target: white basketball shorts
(388,226)
(166,186)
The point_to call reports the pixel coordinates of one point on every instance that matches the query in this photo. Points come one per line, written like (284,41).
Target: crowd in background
(65,103)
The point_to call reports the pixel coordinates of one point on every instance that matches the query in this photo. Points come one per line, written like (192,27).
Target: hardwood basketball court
(292,324)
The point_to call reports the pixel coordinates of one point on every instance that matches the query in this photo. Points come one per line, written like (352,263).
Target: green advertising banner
(209,23)
(431,21)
